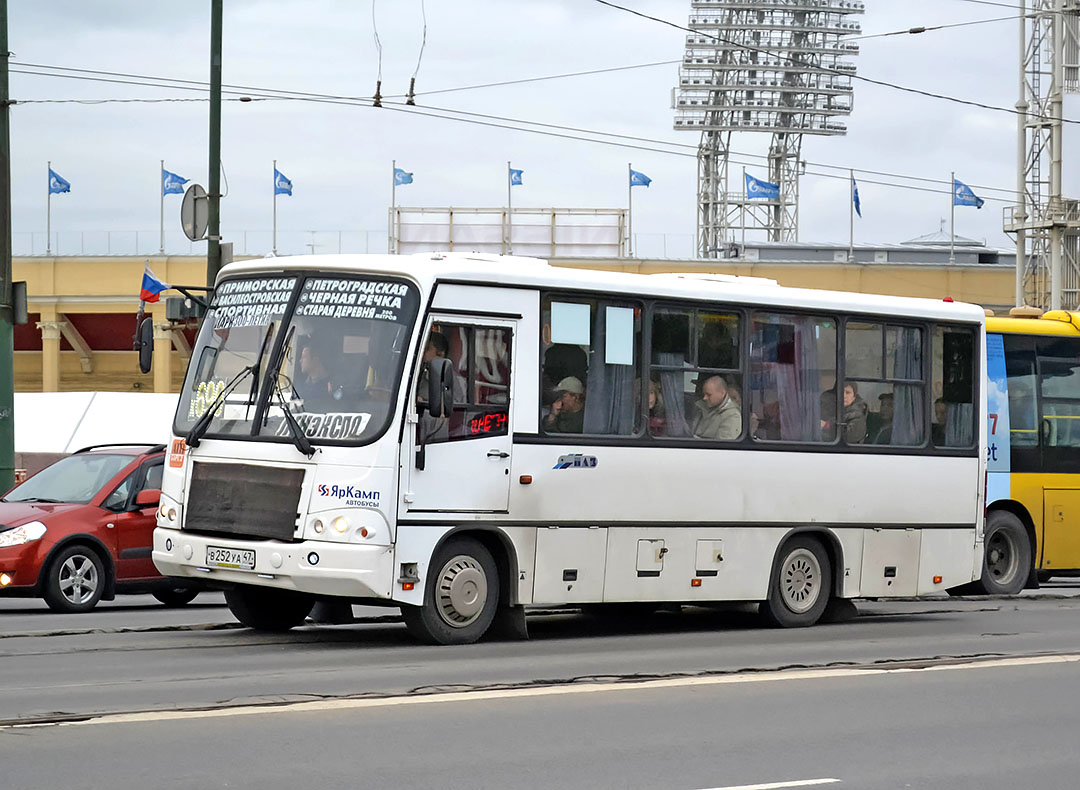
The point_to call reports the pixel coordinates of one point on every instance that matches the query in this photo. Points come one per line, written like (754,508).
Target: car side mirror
(440,387)
(148,497)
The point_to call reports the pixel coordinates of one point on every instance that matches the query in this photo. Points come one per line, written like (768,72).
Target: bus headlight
(168,513)
(318,526)
(22,534)
(340,525)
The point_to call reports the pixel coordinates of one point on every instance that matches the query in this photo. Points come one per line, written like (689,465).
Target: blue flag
(963,196)
(639,179)
(756,189)
(401,177)
(282,185)
(855,197)
(172,184)
(57,184)
(515,177)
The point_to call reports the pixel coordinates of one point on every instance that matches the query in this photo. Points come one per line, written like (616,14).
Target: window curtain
(609,391)
(908,417)
(671,390)
(959,424)
(790,366)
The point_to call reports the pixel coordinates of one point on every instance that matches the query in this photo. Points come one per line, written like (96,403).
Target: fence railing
(260,242)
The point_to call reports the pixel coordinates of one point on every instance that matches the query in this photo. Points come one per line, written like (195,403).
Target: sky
(339,157)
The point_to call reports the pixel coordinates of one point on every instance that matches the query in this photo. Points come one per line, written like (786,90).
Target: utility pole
(213,251)
(7,335)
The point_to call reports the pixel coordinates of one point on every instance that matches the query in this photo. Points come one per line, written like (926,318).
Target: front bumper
(343,569)
(22,565)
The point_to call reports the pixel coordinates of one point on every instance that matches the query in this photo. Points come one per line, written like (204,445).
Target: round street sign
(195,212)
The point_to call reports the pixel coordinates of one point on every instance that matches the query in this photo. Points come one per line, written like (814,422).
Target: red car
(82,529)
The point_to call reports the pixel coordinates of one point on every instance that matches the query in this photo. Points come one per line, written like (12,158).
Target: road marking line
(780,785)
(542,691)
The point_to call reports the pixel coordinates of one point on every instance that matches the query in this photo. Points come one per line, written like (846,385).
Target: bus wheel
(800,585)
(1007,559)
(460,596)
(268,609)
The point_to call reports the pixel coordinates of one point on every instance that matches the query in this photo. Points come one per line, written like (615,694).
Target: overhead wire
(250,93)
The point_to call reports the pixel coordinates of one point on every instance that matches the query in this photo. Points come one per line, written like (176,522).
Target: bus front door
(460,460)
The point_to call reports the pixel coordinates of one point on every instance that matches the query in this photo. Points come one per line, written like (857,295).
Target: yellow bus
(1033,450)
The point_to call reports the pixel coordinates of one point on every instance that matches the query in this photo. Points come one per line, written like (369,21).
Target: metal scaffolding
(1046,224)
(775,66)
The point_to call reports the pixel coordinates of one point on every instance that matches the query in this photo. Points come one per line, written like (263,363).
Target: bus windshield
(343,351)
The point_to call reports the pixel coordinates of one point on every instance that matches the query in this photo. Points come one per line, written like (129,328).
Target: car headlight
(22,534)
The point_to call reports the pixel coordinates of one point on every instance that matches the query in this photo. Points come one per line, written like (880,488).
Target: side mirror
(148,497)
(440,398)
(145,342)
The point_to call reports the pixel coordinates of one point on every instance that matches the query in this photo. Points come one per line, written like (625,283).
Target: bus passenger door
(1059,436)
(460,461)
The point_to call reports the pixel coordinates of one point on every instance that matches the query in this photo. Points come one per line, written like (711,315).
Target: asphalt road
(688,700)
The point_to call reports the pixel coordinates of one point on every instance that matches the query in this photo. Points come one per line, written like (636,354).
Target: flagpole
(509,211)
(952,219)
(851,216)
(274,243)
(742,212)
(48,212)
(629,210)
(161,250)
(390,240)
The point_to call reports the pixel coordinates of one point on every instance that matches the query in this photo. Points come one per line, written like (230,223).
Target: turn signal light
(525,480)
(5,580)
(406,586)
(695,582)
(937,580)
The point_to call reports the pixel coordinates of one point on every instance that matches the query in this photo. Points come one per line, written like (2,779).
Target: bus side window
(1059,391)
(480,359)
(591,351)
(953,423)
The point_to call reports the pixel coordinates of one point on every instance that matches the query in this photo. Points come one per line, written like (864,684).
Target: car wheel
(268,609)
(460,596)
(75,580)
(800,586)
(175,596)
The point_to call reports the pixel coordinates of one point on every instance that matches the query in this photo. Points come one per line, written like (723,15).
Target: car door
(460,461)
(135,526)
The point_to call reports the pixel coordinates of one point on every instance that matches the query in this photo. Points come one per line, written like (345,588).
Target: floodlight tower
(776,66)
(1046,224)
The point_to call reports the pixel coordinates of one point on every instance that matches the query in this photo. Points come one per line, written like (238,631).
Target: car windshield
(340,365)
(75,479)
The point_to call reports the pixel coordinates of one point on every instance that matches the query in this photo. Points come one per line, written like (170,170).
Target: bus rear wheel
(460,596)
(1007,558)
(800,586)
(268,609)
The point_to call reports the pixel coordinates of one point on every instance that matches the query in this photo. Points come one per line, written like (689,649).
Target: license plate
(218,557)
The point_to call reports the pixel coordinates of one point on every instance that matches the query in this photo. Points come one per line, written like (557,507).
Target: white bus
(468,435)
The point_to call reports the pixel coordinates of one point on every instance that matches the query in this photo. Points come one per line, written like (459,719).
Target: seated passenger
(717,415)
(313,385)
(657,415)
(855,411)
(567,413)
(885,416)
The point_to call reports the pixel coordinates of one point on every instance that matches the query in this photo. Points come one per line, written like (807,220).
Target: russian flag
(151,286)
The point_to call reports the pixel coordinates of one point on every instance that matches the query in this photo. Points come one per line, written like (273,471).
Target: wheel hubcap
(462,591)
(800,581)
(1001,557)
(78,579)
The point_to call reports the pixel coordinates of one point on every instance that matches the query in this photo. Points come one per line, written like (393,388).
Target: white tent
(63,422)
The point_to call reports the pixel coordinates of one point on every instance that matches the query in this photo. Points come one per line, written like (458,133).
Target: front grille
(240,499)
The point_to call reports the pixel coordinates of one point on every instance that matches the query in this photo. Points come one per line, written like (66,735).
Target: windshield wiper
(254,391)
(303,444)
(200,426)
(37,499)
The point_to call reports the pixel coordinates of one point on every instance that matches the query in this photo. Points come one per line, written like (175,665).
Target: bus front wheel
(800,586)
(460,596)
(268,609)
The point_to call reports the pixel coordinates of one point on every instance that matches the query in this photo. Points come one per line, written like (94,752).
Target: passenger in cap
(568,409)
